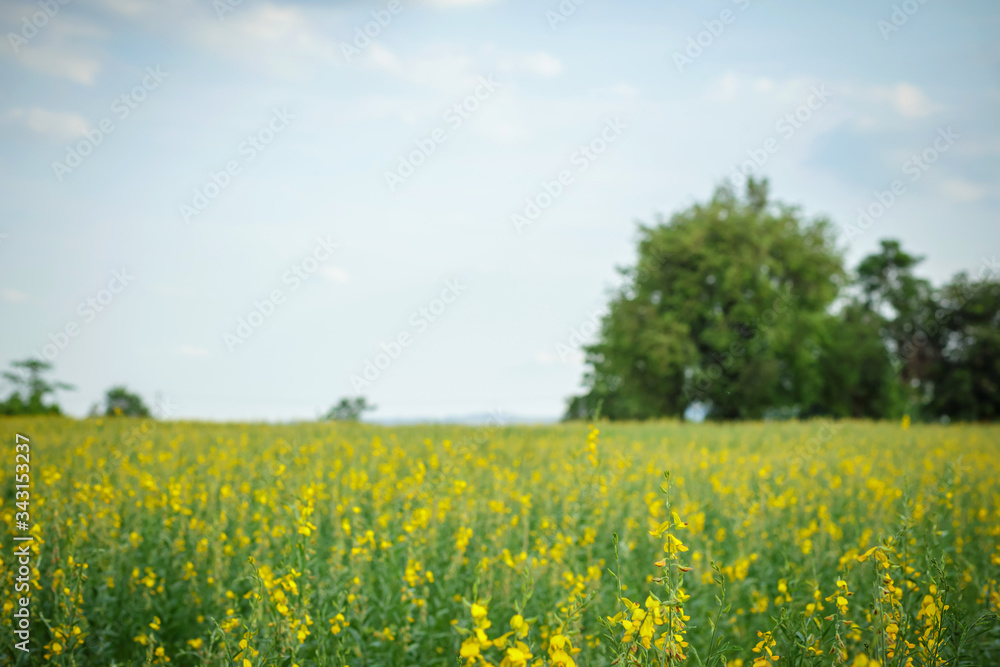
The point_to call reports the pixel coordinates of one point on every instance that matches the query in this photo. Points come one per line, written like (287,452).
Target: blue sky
(245,171)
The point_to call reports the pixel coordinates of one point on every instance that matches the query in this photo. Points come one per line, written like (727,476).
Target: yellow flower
(470,648)
(673,544)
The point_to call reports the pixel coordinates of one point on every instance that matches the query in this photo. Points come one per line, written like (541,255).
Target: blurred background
(250,209)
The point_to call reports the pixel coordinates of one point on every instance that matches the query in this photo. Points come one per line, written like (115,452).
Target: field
(347,544)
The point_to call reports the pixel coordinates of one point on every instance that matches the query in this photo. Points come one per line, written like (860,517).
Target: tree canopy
(31,389)
(742,306)
(120,402)
(349,409)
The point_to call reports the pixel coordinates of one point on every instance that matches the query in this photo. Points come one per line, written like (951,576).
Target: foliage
(30,389)
(965,338)
(725,307)
(332,543)
(741,306)
(349,409)
(945,342)
(859,378)
(120,402)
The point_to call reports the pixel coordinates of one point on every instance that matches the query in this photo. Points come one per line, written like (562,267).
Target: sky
(248,209)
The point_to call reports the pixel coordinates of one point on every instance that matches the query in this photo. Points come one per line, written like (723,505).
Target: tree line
(742,308)
(34,394)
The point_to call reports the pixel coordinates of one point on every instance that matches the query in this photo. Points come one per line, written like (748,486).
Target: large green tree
(725,307)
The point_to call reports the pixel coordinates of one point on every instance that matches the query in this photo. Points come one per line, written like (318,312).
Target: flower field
(811,543)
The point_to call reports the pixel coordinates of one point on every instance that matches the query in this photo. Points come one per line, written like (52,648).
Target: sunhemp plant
(654,633)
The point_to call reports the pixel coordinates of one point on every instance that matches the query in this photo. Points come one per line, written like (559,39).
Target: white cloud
(385,59)
(622,91)
(763,85)
(442,69)
(545,358)
(732,86)
(963,191)
(56,125)
(281,40)
(866,123)
(12,295)
(128,7)
(191,351)
(907,100)
(541,64)
(725,89)
(444,4)
(65,48)
(446,69)
(336,275)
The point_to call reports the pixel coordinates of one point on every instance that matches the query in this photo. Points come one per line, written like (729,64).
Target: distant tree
(945,343)
(724,307)
(31,389)
(120,402)
(965,334)
(901,300)
(349,409)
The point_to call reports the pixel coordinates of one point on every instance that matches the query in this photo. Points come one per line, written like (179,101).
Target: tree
(889,289)
(859,377)
(945,342)
(31,389)
(349,409)
(731,319)
(120,402)
(965,333)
